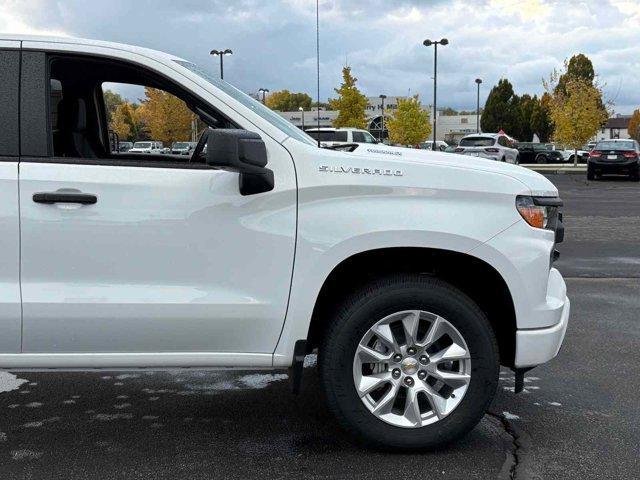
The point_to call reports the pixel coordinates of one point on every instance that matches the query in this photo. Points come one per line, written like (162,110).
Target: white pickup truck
(415,274)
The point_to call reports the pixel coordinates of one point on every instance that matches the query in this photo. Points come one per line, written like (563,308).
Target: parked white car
(147,147)
(492,146)
(583,154)
(428,145)
(331,137)
(414,275)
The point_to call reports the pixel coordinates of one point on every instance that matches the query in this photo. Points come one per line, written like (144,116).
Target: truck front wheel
(409,362)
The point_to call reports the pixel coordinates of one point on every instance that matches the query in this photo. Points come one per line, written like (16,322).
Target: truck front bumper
(539,345)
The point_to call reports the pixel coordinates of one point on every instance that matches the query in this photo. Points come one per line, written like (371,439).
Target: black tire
(590,174)
(635,177)
(541,158)
(370,304)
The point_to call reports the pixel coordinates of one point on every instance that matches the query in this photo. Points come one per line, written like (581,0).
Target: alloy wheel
(412,368)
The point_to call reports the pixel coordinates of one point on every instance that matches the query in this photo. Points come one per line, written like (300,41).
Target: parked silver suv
(492,146)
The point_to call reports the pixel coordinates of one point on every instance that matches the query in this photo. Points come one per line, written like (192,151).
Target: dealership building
(450,128)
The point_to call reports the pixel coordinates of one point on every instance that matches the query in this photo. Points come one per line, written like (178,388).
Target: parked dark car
(538,153)
(614,157)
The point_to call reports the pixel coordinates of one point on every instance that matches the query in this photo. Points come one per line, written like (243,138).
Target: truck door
(142,253)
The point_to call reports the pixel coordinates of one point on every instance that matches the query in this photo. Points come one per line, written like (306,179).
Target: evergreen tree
(541,123)
(351,103)
(501,110)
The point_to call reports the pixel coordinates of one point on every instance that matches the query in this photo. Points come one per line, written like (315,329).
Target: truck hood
(535,182)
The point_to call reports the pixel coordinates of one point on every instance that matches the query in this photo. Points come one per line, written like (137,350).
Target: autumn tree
(575,111)
(409,124)
(634,125)
(285,101)
(351,103)
(126,121)
(167,118)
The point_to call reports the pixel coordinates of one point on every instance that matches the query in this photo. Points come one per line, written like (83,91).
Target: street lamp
(221,53)
(264,92)
(478,81)
(381,137)
(302,111)
(435,43)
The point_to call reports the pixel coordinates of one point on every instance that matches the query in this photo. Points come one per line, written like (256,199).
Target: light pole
(264,92)
(302,111)
(221,53)
(435,43)
(478,81)
(381,137)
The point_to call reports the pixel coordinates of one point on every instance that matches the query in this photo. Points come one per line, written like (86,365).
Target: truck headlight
(539,212)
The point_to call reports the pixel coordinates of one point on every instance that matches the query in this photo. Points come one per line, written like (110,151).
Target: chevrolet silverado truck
(414,274)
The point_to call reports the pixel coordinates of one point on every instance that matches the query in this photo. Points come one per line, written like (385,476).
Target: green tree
(448,111)
(575,110)
(526,106)
(351,103)
(578,66)
(541,123)
(111,101)
(501,109)
(634,125)
(409,124)
(285,101)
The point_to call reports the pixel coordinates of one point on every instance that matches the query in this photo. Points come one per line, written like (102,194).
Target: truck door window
(109,111)
(9,91)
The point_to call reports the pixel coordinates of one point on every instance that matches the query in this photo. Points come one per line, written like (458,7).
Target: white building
(616,127)
(451,128)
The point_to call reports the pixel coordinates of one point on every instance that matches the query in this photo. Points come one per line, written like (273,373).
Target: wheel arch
(462,270)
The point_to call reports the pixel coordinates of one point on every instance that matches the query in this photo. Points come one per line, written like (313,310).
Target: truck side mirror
(243,152)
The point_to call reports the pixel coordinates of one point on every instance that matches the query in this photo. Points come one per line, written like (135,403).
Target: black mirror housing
(243,152)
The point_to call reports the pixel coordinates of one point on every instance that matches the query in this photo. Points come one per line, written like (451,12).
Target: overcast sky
(274,40)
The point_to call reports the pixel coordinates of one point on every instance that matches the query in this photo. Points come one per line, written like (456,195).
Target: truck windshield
(142,145)
(267,114)
(180,145)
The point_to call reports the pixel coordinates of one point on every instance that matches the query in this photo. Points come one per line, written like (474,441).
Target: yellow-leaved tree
(577,110)
(634,125)
(351,103)
(126,121)
(409,125)
(165,116)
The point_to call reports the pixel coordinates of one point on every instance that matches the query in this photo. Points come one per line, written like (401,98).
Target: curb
(558,169)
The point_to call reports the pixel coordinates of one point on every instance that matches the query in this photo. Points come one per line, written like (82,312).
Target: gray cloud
(274,41)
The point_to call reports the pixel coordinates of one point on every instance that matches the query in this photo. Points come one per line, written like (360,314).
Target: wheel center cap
(409,366)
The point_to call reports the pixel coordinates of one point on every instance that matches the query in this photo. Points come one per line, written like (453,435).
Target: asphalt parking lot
(578,417)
